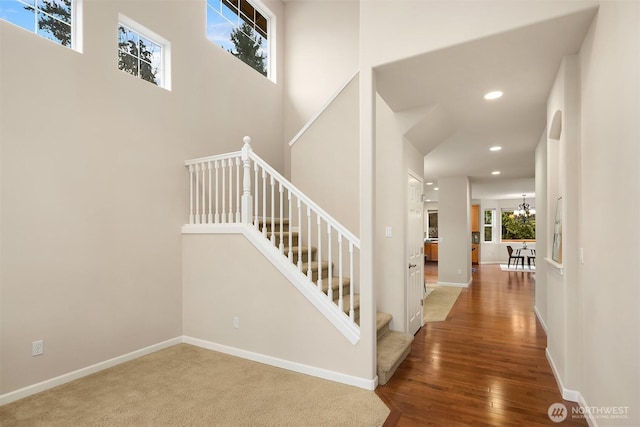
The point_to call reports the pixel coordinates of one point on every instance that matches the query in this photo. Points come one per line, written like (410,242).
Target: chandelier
(524,212)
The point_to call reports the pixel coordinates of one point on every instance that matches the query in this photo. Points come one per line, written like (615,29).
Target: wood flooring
(483,366)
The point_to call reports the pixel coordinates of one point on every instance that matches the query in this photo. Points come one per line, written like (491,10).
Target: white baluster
(351,288)
(191,218)
(210,215)
(273,214)
(299,231)
(264,203)
(309,273)
(204,188)
(247,197)
(330,275)
(319,258)
(216,218)
(257,197)
(340,275)
(290,255)
(230,190)
(281,219)
(197,194)
(223,214)
(237,189)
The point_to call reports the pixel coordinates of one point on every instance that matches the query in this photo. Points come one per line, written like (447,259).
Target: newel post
(247,197)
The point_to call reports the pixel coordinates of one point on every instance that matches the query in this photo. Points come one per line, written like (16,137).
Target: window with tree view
(51,19)
(139,56)
(518,228)
(240,28)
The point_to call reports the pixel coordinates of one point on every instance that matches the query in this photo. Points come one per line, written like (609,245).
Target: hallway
(484,365)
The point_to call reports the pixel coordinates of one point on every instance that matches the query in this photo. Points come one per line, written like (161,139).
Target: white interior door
(415,264)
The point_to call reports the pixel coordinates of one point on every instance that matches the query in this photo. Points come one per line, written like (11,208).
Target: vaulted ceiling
(438,98)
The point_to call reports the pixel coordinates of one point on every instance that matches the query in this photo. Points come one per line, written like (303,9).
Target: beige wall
(390,256)
(424,26)
(321,48)
(454,231)
(609,323)
(324,161)
(93,184)
(275,319)
(542,230)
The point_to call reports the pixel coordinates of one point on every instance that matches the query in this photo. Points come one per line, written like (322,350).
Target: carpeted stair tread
(277,223)
(335,286)
(304,250)
(393,348)
(382,324)
(346,301)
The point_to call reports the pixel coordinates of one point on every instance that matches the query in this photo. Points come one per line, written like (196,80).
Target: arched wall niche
(555,130)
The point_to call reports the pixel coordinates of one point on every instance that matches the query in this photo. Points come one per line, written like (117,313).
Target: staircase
(305,256)
(240,192)
(393,348)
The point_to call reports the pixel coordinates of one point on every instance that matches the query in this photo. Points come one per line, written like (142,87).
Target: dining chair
(531,257)
(516,256)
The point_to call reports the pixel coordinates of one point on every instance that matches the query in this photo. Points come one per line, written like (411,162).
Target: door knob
(412,265)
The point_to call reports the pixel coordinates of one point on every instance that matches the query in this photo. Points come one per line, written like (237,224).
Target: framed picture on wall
(556,249)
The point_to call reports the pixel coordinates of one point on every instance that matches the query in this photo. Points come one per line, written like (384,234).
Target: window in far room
(487,224)
(241,28)
(51,19)
(517,228)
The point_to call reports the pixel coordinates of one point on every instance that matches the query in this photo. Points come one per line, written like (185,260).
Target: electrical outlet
(236,322)
(37,348)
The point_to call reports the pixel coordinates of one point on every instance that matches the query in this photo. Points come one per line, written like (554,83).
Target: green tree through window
(242,28)
(248,49)
(56,20)
(138,56)
(514,229)
(51,19)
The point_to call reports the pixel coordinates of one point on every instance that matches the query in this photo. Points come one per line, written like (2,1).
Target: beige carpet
(439,301)
(186,385)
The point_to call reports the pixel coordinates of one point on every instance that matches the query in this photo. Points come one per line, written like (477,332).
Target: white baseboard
(544,325)
(572,395)
(455,284)
(83,372)
(367,384)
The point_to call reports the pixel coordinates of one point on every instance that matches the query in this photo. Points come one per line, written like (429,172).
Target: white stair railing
(218,195)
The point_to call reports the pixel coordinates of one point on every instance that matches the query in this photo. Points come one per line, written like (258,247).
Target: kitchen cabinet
(431,251)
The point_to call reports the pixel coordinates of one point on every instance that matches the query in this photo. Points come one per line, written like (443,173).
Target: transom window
(242,29)
(51,19)
(141,54)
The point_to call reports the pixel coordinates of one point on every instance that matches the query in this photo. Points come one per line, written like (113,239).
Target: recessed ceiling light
(428,200)
(495,148)
(429,183)
(493,95)
(436,188)
(495,173)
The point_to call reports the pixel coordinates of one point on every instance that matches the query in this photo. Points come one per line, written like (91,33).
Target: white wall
(609,320)
(93,184)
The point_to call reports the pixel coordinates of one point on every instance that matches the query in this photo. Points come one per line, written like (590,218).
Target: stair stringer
(298,279)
